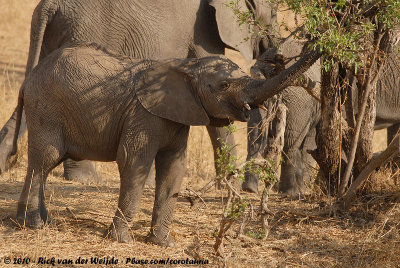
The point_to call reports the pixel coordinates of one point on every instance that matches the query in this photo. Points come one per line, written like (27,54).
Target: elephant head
(197,91)
(243,37)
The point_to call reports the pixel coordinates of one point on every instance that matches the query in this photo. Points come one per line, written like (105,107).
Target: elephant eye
(221,86)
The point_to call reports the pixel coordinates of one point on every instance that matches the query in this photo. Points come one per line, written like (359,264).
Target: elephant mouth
(245,114)
(246,110)
(234,113)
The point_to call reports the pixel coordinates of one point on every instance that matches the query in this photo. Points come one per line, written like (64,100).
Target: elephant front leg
(170,168)
(291,182)
(80,171)
(133,170)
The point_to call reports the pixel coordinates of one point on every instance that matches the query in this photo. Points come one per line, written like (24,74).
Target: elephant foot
(117,233)
(251,183)
(31,220)
(290,191)
(164,241)
(83,171)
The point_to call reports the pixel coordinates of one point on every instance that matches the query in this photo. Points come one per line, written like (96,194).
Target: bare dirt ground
(365,236)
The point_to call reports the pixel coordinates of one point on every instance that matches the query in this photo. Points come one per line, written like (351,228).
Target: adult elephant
(303,116)
(301,119)
(155,29)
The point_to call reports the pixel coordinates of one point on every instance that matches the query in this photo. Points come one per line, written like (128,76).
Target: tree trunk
(364,150)
(328,142)
(366,84)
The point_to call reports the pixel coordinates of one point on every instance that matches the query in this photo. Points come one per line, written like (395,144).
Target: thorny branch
(195,196)
(235,205)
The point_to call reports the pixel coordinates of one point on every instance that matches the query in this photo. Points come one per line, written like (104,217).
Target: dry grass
(365,236)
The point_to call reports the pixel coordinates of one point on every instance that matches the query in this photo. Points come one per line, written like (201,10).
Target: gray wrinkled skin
(84,102)
(156,29)
(302,117)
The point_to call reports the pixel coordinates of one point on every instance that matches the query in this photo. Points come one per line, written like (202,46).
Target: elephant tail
(41,17)
(19,109)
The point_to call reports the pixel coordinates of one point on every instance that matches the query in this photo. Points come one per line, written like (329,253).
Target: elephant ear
(167,92)
(268,12)
(231,33)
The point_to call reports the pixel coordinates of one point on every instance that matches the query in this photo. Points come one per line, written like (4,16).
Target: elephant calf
(84,102)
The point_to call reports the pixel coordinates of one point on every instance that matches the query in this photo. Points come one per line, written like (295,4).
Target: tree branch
(368,88)
(374,163)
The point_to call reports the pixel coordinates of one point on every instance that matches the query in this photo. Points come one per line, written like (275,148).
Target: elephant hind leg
(43,156)
(391,133)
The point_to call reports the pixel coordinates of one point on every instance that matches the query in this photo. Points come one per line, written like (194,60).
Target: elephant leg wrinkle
(171,167)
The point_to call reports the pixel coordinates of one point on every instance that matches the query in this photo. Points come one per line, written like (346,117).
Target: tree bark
(328,132)
(276,134)
(366,84)
(364,149)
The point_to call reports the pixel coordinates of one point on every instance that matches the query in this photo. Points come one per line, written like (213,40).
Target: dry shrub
(381,182)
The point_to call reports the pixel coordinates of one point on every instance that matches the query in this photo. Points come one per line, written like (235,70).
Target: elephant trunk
(259,91)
